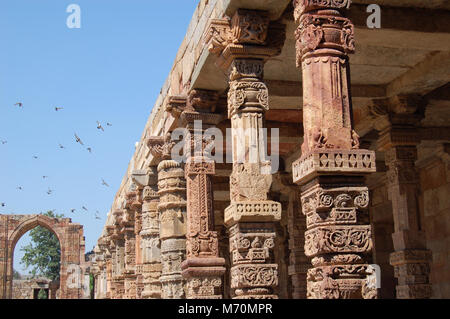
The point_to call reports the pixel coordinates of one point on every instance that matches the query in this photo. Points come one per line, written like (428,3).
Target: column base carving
(152,285)
(173,252)
(203,277)
(412,269)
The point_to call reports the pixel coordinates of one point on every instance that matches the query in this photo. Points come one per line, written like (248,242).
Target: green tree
(16,274)
(43,253)
(42,294)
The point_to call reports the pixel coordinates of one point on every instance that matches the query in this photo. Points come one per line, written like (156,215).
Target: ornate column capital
(397,119)
(161,146)
(176,105)
(249,34)
(304,6)
(200,106)
(322,28)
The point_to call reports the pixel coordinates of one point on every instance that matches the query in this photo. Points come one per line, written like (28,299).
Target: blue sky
(110,70)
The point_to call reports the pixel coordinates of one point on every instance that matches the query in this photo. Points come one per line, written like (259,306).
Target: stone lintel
(252,211)
(333,162)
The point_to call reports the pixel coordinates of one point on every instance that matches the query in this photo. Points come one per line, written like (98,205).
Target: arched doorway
(40,279)
(70,236)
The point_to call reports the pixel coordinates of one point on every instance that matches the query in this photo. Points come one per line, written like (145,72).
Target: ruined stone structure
(70,235)
(346,193)
(30,288)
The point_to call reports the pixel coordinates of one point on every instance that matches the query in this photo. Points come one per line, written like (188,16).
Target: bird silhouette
(19,104)
(108,124)
(73,210)
(3,204)
(44,177)
(4,142)
(84,208)
(49,192)
(78,139)
(89,149)
(58,108)
(61,146)
(104,183)
(19,188)
(35,157)
(99,126)
(96,215)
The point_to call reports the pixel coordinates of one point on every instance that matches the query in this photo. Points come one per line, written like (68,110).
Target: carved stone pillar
(136,205)
(109,256)
(243,44)
(128,229)
(332,167)
(151,245)
(399,138)
(172,210)
(118,262)
(203,269)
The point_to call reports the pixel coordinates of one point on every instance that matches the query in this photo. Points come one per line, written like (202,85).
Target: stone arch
(71,240)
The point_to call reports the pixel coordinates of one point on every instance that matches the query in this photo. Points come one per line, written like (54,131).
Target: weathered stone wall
(22,289)
(435,202)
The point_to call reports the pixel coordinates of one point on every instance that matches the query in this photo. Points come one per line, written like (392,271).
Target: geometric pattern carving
(333,162)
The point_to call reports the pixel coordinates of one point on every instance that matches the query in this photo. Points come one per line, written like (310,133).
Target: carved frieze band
(334,162)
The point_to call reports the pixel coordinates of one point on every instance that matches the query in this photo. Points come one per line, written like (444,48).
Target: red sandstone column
(149,233)
(128,230)
(332,167)
(118,262)
(399,137)
(203,269)
(172,209)
(243,45)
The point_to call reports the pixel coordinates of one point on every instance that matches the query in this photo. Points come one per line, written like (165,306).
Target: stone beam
(274,8)
(404,19)
(294,89)
(399,19)
(426,76)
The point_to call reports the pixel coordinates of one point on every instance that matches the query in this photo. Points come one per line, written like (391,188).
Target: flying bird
(58,108)
(44,177)
(35,157)
(4,142)
(84,208)
(89,149)
(20,188)
(73,210)
(49,192)
(78,139)
(109,124)
(99,126)
(19,104)
(3,204)
(61,146)
(104,183)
